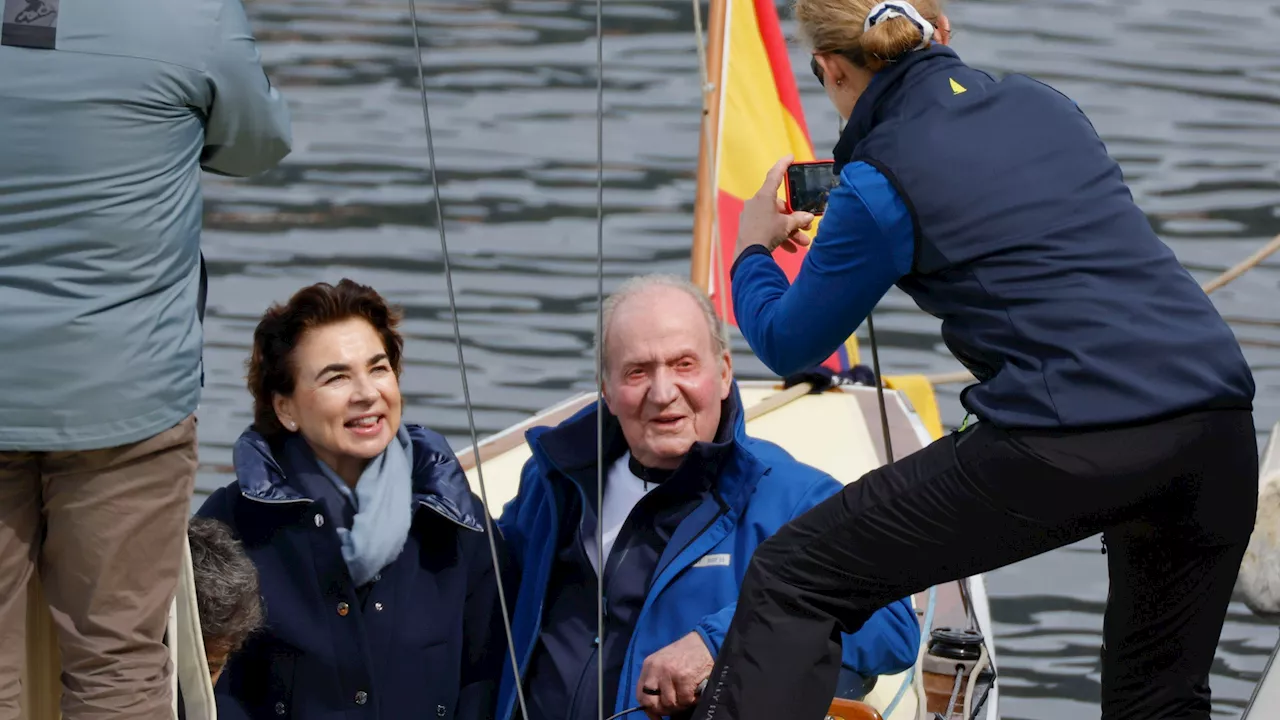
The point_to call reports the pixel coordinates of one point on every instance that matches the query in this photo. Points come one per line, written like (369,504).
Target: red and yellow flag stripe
(761,120)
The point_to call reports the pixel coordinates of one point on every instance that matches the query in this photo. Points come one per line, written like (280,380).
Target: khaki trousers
(104,529)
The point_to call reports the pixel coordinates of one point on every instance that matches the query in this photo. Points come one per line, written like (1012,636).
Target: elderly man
(687,498)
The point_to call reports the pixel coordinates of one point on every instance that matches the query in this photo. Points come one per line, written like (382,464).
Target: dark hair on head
(228,598)
(271,367)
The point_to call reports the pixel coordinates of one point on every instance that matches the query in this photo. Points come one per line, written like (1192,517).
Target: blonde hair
(835,26)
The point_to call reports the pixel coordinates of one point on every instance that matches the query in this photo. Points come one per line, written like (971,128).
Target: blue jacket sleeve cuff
(752,250)
(713,647)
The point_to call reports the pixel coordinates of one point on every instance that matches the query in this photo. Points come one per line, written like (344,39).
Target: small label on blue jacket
(716,560)
(30,24)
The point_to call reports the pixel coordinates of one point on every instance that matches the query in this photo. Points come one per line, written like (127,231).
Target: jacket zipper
(629,665)
(724,508)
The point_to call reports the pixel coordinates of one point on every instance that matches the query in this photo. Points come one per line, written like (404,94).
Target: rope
(1255,322)
(984,661)
(1250,342)
(628,711)
(926,628)
(884,415)
(1243,266)
(955,691)
(462,367)
(599,358)
(702,46)
(1217,283)
(718,283)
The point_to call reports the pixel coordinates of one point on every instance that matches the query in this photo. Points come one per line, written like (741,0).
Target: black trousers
(1175,499)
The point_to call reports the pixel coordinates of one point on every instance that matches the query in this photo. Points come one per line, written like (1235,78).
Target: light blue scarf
(383,502)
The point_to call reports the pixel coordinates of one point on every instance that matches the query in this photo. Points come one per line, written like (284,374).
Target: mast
(704,207)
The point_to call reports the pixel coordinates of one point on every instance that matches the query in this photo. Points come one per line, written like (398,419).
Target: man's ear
(604,394)
(726,374)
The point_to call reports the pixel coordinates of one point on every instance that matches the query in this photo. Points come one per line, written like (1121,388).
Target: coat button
(377,606)
(362,697)
(439,711)
(279,708)
(377,577)
(319,520)
(343,608)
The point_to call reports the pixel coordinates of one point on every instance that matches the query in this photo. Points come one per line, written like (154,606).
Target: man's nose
(663,390)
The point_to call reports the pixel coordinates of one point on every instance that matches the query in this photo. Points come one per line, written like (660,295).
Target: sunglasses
(817,70)
(856,57)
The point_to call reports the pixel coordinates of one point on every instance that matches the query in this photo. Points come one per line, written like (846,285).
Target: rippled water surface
(1186,97)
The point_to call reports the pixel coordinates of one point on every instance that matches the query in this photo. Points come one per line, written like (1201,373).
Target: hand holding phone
(808,184)
(766,220)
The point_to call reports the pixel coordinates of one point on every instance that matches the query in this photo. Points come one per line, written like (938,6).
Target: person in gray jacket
(108,112)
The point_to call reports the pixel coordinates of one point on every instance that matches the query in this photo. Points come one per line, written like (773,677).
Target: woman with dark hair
(379,585)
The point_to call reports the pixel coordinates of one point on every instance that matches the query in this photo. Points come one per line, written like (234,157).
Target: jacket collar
(439,482)
(876,102)
(570,447)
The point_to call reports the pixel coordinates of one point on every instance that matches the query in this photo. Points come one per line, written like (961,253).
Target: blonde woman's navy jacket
(994,205)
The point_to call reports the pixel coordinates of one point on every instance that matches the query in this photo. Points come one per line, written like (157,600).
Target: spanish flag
(760,119)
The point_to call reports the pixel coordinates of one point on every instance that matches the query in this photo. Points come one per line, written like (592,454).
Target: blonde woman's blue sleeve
(865,244)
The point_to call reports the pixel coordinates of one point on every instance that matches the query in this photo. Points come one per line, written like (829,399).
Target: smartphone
(808,184)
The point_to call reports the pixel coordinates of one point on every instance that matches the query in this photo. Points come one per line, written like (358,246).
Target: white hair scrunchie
(885,10)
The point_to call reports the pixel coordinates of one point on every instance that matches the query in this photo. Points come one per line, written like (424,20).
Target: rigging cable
(884,415)
(599,358)
(718,282)
(462,367)
(875,362)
